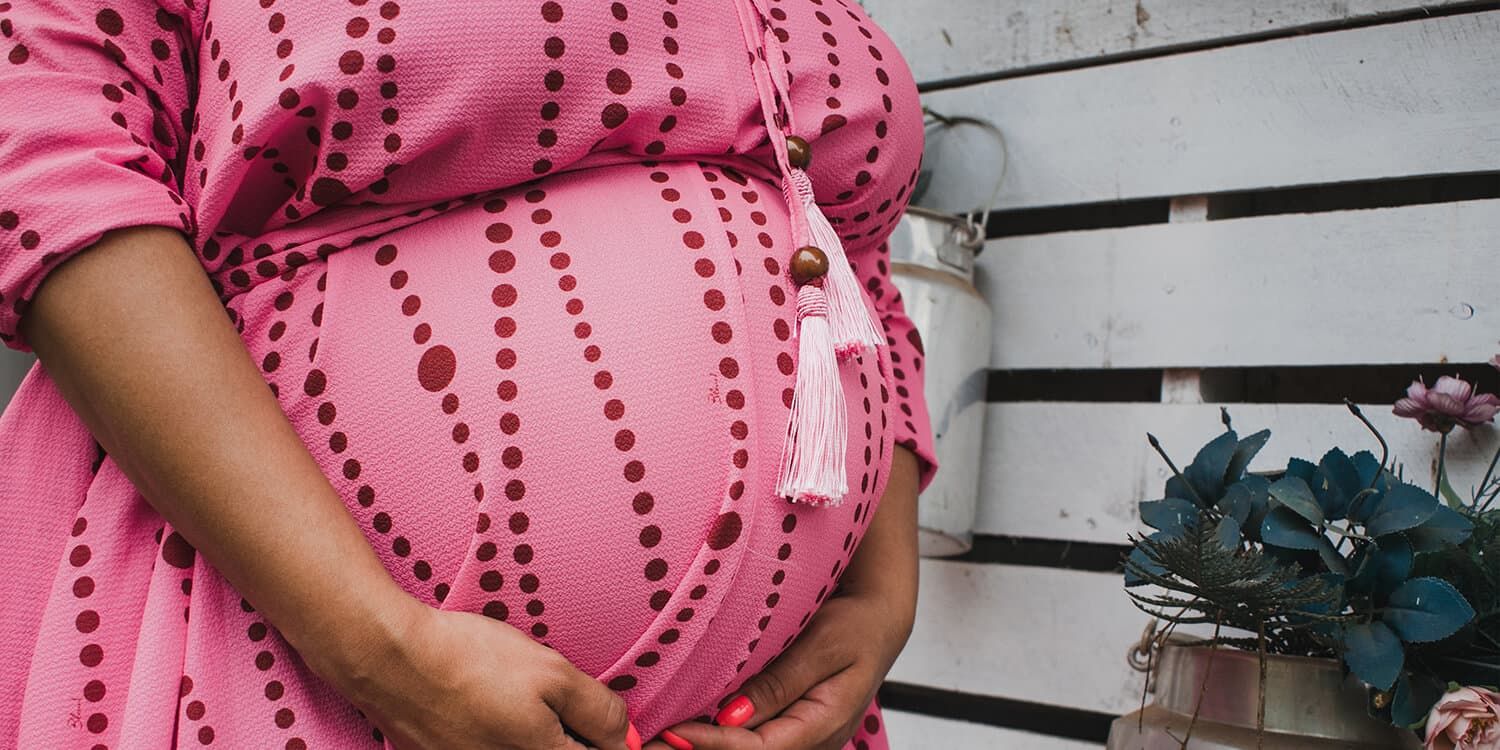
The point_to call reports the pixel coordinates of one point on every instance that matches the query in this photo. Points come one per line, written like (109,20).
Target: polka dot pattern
(560,412)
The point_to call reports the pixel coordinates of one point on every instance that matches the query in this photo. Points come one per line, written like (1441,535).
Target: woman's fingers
(824,717)
(810,660)
(593,711)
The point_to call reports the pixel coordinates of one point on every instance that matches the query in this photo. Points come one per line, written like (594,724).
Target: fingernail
(736,713)
(632,736)
(673,741)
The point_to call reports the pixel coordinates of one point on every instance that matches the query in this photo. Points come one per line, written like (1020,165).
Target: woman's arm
(138,343)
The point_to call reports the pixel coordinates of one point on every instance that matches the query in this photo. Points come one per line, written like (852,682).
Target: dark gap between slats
(1412,14)
(1344,196)
(1112,215)
(1347,196)
(1075,385)
(1364,384)
(1006,713)
(1045,553)
(1331,384)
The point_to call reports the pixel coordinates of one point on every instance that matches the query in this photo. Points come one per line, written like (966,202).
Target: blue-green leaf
(1384,565)
(1426,609)
(1373,653)
(1229,533)
(1294,494)
(1206,472)
(1402,507)
(1236,502)
(1331,556)
(1170,515)
(1367,465)
(1304,470)
(1138,557)
(1283,528)
(1415,697)
(1340,482)
(1260,504)
(1447,527)
(1244,452)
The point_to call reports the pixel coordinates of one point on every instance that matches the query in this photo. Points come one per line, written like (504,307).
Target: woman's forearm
(886,562)
(138,343)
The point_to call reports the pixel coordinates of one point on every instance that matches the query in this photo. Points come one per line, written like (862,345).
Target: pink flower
(1451,402)
(1465,719)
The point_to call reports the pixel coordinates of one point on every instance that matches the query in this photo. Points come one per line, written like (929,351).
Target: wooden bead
(808,263)
(798,152)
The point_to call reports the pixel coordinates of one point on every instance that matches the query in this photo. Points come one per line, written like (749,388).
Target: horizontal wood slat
(1394,100)
(1075,471)
(910,731)
(1035,634)
(961,38)
(1394,285)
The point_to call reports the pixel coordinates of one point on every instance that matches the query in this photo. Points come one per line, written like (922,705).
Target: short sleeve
(94,114)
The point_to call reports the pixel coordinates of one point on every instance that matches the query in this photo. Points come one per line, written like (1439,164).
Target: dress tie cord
(833,321)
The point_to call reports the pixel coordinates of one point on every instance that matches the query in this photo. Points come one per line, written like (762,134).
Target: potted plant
(1338,574)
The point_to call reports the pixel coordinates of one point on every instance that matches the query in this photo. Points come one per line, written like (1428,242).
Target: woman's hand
(461,680)
(814,695)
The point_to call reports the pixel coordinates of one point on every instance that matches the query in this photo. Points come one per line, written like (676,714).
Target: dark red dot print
(93,691)
(436,368)
(725,531)
(91,655)
(551,11)
(614,115)
(176,551)
(618,81)
(109,21)
(87,621)
(643,503)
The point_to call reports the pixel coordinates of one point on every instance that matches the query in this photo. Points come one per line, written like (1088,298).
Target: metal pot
(1310,705)
(932,265)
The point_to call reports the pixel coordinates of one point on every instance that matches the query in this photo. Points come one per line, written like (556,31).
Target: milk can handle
(974,235)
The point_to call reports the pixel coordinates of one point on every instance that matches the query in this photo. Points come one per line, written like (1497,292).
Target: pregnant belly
(562,405)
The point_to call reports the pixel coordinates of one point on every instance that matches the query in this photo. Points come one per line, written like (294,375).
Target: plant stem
(1484,484)
(1207,670)
(1437,486)
(1260,709)
(1385,449)
(1156,444)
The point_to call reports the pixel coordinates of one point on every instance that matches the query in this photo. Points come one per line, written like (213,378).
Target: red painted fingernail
(736,713)
(675,742)
(632,736)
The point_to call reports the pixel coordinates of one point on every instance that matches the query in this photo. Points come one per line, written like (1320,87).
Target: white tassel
(853,329)
(813,456)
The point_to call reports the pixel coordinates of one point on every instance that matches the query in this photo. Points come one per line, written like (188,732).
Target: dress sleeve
(913,425)
(94,113)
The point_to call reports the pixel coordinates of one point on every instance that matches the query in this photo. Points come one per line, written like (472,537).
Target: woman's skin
(139,344)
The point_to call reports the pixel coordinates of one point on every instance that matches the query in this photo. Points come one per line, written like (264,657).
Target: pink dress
(517,273)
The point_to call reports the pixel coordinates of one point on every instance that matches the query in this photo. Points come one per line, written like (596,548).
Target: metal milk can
(932,265)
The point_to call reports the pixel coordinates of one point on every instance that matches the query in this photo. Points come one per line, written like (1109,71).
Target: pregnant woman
(428,374)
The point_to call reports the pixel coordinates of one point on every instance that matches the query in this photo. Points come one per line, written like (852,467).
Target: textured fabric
(517,275)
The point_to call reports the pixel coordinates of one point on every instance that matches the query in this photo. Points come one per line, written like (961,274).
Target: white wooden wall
(1183,101)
